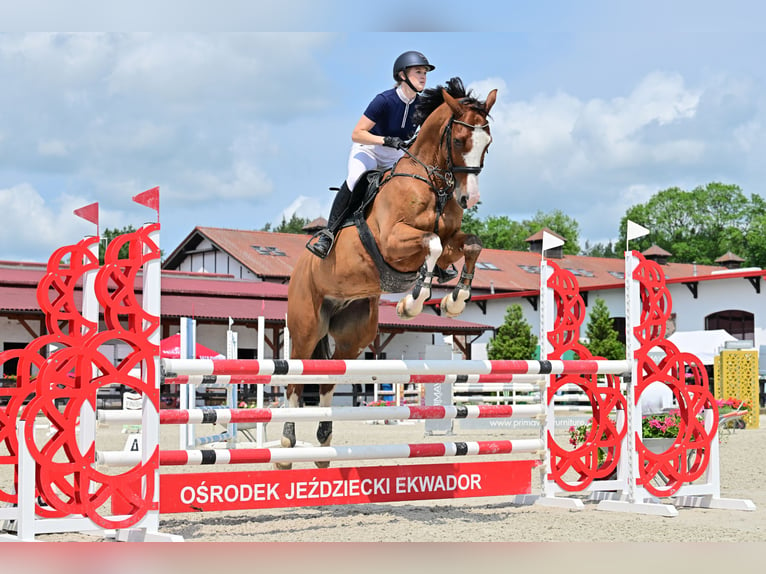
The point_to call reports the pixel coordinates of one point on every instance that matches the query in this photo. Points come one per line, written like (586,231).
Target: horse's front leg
(453,304)
(412,304)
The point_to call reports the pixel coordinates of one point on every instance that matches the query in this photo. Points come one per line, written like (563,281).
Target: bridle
(440,181)
(447,134)
(446,177)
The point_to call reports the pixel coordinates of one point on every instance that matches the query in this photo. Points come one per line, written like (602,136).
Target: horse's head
(465,140)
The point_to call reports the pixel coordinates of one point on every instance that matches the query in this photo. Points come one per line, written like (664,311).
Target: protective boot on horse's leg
(340,207)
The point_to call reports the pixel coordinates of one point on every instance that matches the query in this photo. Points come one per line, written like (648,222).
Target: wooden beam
(462,344)
(23,320)
(29,329)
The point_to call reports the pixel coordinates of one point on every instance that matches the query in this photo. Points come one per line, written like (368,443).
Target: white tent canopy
(704,344)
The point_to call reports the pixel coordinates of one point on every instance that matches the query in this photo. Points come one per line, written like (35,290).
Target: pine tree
(602,338)
(514,338)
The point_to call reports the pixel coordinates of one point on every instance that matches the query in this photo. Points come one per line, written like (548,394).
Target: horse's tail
(322,350)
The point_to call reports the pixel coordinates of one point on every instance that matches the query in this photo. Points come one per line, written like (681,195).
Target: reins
(446,189)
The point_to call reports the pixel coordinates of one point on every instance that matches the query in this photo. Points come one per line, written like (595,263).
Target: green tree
(107,236)
(601,250)
(700,225)
(602,338)
(514,338)
(471,222)
(501,232)
(560,223)
(295,225)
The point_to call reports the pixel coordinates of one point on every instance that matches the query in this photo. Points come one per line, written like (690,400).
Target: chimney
(657,254)
(730,260)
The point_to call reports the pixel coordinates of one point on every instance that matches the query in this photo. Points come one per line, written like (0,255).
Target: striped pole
(220,437)
(495,388)
(175,367)
(411,412)
(348,379)
(324,453)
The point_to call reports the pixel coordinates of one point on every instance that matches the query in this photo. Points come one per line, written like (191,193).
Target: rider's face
(417,75)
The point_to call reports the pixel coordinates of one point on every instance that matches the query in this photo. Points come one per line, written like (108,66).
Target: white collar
(400,93)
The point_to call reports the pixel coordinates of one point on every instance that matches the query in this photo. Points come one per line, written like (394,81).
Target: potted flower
(578,435)
(659,431)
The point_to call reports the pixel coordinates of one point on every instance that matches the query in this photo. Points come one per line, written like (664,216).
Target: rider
(379,140)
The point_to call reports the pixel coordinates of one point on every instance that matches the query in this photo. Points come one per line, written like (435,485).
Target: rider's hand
(394,142)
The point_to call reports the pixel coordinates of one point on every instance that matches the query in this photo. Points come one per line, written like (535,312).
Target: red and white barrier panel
(236,367)
(225,416)
(323,453)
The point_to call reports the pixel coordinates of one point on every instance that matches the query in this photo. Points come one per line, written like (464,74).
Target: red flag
(89,213)
(150,198)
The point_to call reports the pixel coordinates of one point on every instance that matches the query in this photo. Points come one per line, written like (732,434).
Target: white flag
(635,230)
(551,241)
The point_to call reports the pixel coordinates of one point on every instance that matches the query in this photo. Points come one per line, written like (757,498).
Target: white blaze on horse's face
(480,140)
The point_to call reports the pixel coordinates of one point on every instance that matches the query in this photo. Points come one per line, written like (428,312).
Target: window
(487,266)
(531,269)
(739,324)
(579,272)
(268,251)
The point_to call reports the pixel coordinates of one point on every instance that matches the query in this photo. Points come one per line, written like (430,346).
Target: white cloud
(595,158)
(302,206)
(31,225)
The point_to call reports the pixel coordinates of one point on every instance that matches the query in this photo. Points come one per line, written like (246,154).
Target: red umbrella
(170,348)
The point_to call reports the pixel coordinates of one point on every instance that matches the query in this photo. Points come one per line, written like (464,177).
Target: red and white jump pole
(315,414)
(334,367)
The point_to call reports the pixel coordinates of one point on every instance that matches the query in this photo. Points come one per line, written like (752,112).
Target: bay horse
(412,225)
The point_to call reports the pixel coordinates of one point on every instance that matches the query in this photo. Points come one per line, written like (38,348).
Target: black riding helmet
(408,60)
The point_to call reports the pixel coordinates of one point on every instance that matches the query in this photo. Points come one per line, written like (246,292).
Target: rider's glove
(394,142)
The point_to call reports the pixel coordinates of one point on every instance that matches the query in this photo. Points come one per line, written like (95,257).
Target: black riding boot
(323,245)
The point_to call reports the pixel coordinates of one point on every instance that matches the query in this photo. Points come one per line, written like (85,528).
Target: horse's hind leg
(352,328)
(307,324)
(324,430)
(288,439)
(454,303)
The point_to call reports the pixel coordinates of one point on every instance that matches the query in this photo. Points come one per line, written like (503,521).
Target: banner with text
(216,491)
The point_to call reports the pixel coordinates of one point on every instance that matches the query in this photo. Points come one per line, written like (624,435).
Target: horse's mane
(432,98)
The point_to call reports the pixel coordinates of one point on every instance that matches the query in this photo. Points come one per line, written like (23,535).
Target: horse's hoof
(283,465)
(287,442)
(322,463)
(452,308)
(403,313)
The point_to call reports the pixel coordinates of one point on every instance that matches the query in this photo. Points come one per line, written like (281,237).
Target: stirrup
(311,245)
(445,275)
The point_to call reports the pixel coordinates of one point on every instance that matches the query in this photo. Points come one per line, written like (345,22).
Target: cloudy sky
(248,120)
